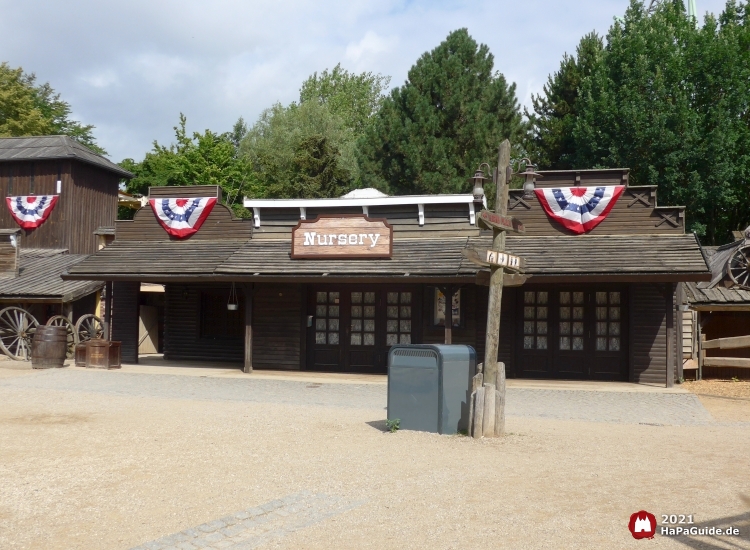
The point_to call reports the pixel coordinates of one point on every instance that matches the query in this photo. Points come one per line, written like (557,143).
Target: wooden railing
(736,342)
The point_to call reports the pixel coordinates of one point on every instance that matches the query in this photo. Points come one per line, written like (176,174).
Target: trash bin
(429,386)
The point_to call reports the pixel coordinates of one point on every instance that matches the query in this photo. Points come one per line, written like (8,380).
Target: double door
(573,333)
(353,327)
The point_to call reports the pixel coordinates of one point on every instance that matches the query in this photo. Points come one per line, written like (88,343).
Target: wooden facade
(600,306)
(33,260)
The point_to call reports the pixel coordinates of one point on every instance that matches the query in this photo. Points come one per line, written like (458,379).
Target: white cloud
(371,45)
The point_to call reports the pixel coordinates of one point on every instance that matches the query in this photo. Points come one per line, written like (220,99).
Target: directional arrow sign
(491,257)
(498,221)
(502,259)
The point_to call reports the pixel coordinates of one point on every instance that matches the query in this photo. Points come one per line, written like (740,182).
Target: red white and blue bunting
(580,209)
(31,211)
(182,217)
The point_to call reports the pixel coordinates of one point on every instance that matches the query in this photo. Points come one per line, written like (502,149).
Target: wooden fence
(736,342)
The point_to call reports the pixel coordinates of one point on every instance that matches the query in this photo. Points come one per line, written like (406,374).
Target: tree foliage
(275,142)
(670,100)
(354,98)
(449,116)
(556,110)
(200,159)
(31,109)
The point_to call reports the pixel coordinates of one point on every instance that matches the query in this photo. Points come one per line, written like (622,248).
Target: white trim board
(375,201)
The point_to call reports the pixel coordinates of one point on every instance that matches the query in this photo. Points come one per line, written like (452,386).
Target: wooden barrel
(48,347)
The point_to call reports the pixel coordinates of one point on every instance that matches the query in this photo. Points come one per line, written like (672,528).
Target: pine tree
(555,111)
(449,116)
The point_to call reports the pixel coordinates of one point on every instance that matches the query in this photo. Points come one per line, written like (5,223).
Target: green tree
(273,145)
(555,111)
(670,100)
(449,116)
(318,173)
(28,109)
(354,98)
(200,159)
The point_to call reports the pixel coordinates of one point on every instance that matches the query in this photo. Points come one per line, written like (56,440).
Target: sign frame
(295,255)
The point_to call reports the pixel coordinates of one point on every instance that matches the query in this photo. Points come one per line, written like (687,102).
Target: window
(438,309)
(535,313)
(607,321)
(327,313)
(217,321)
(363,319)
(398,318)
(571,321)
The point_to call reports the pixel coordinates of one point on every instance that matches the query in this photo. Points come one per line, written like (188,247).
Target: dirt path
(91,470)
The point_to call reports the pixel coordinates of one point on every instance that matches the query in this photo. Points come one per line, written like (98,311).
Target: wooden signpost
(487,404)
(501,222)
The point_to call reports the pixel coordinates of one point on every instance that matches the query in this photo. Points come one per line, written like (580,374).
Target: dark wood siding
(277,336)
(648,329)
(88,200)
(182,325)
(125,319)
(220,225)
(629,216)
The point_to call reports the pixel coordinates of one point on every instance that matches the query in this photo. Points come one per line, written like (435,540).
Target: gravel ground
(113,460)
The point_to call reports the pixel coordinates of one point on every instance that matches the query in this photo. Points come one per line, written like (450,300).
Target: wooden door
(354,326)
(573,333)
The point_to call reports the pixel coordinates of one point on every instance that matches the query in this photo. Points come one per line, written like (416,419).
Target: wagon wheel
(739,266)
(17,327)
(89,327)
(62,321)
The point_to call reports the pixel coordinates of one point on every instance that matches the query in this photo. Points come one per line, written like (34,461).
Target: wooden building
(719,309)
(597,306)
(32,260)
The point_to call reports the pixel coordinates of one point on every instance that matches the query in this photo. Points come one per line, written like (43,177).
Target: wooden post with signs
(493,375)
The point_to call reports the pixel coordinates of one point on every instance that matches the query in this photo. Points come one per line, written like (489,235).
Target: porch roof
(667,257)
(39,279)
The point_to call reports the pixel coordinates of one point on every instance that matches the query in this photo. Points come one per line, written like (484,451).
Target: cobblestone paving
(592,406)
(255,526)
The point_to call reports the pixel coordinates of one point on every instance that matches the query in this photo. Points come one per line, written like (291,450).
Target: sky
(129,68)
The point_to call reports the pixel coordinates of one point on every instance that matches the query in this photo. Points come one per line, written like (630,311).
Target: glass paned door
(362,323)
(608,321)
(398,322)
(535,325)
(327,316)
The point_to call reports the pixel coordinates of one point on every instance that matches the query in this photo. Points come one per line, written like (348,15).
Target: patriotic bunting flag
(182,217)
(31,211)
(580,209)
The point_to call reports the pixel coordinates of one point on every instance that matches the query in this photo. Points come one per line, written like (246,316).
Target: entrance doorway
(573,333)
(353,327)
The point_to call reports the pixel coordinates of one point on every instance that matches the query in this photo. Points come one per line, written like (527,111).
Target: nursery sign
(345,236)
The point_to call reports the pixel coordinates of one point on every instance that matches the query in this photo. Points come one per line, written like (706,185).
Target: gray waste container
(429,386)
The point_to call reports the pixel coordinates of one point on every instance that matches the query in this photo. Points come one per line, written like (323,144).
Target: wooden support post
(107,332)
(478,424)
(494,372)
(669,303)
(488,422)
(680,356)
(248,366)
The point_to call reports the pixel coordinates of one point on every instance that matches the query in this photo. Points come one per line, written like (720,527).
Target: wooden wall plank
(125,307)
(277,333)
(648,334)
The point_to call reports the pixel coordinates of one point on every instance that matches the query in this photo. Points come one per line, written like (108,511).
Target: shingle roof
(678,257)
(39,277)
(54,147)
(716,291)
